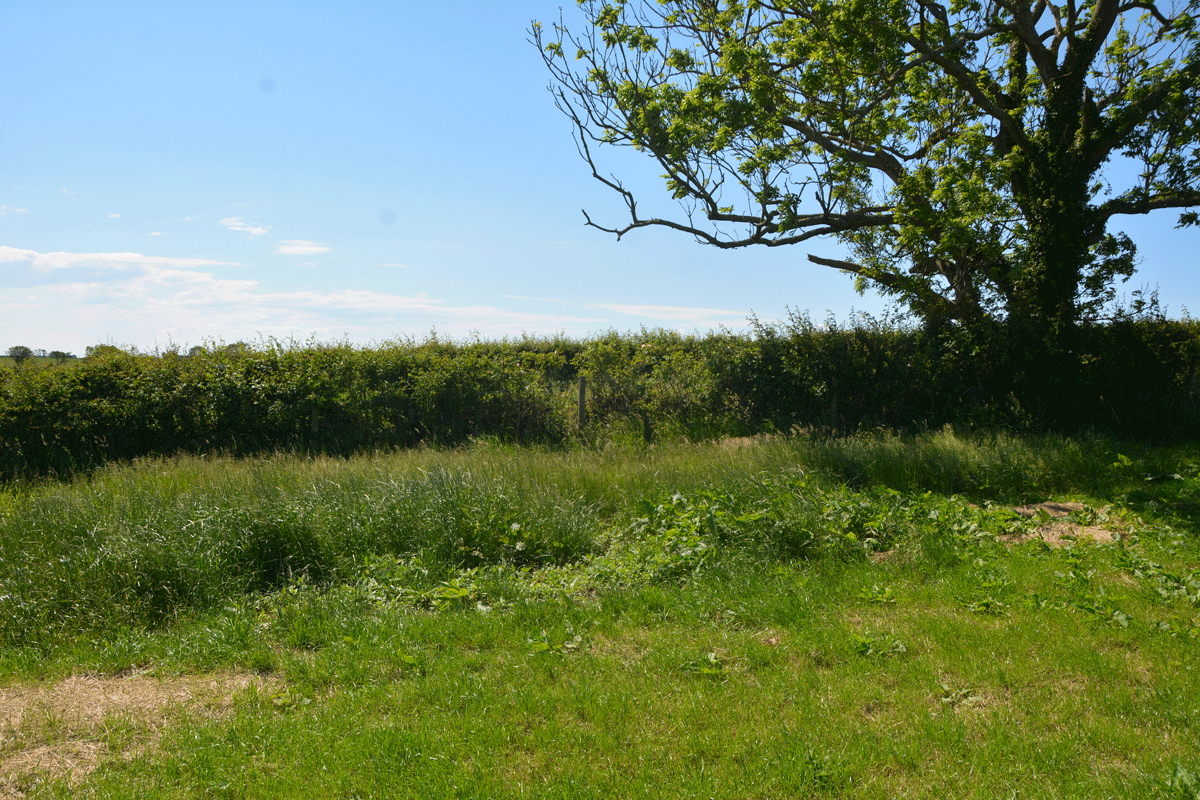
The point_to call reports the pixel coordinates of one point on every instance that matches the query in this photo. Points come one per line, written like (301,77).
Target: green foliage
(871,645)
(959,152)
(19,354)
(1140,378)
(661,381)
(1183,784)
(119,405)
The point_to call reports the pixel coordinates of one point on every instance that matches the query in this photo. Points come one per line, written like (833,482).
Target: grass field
(38,362)
(873,616)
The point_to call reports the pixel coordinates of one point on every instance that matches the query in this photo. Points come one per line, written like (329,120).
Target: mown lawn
(863,617)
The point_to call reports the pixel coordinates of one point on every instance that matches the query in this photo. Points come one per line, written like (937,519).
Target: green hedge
(1139,378)
(119,405)
(1143,378)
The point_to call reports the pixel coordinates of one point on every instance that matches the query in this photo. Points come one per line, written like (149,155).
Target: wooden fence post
(582,401)
(833,409)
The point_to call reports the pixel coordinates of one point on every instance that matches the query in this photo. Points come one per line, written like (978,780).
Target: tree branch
(895,281)
(1126,205)
(1024,26)
(1082,51)
(963,77)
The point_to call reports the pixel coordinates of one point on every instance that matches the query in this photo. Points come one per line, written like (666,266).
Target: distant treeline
(19,354)
(1140,379)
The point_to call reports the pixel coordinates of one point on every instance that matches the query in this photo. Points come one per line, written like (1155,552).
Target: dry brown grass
(61,731)
(1059,532)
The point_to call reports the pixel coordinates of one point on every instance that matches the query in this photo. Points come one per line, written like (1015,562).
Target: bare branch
(1152,8)
(1144,205)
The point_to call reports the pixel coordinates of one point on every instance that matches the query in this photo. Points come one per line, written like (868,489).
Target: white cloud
(10,210)
(114,216)
(236,224)
(68,191)
(12,255)
(300,247)
(156,233)
(46,262)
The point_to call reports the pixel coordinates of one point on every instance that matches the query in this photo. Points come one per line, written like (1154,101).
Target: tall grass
(982,465)
(146,542)
(803,616)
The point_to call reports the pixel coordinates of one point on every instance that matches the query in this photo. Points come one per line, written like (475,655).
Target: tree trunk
(1042,313)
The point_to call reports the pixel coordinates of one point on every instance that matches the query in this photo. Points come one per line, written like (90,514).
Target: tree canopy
(19,354)
(964,153)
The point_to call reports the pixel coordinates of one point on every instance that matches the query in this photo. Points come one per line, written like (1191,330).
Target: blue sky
(184,172)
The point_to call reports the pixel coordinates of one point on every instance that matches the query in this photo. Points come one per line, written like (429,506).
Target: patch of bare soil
(1058,530)
(62,730)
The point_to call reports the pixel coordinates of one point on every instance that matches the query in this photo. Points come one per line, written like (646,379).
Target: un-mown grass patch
(732,625)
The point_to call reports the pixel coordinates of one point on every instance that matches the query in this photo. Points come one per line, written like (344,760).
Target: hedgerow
(1140,378)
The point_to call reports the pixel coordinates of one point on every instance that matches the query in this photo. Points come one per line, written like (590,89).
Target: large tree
(19,354)
(965,154)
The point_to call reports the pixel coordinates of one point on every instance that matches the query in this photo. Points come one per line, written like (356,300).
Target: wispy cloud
(672,313)
(143,299)
(46,262)
(300,247)
(114,216)
(236,224)
(10,210)
(156,233)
